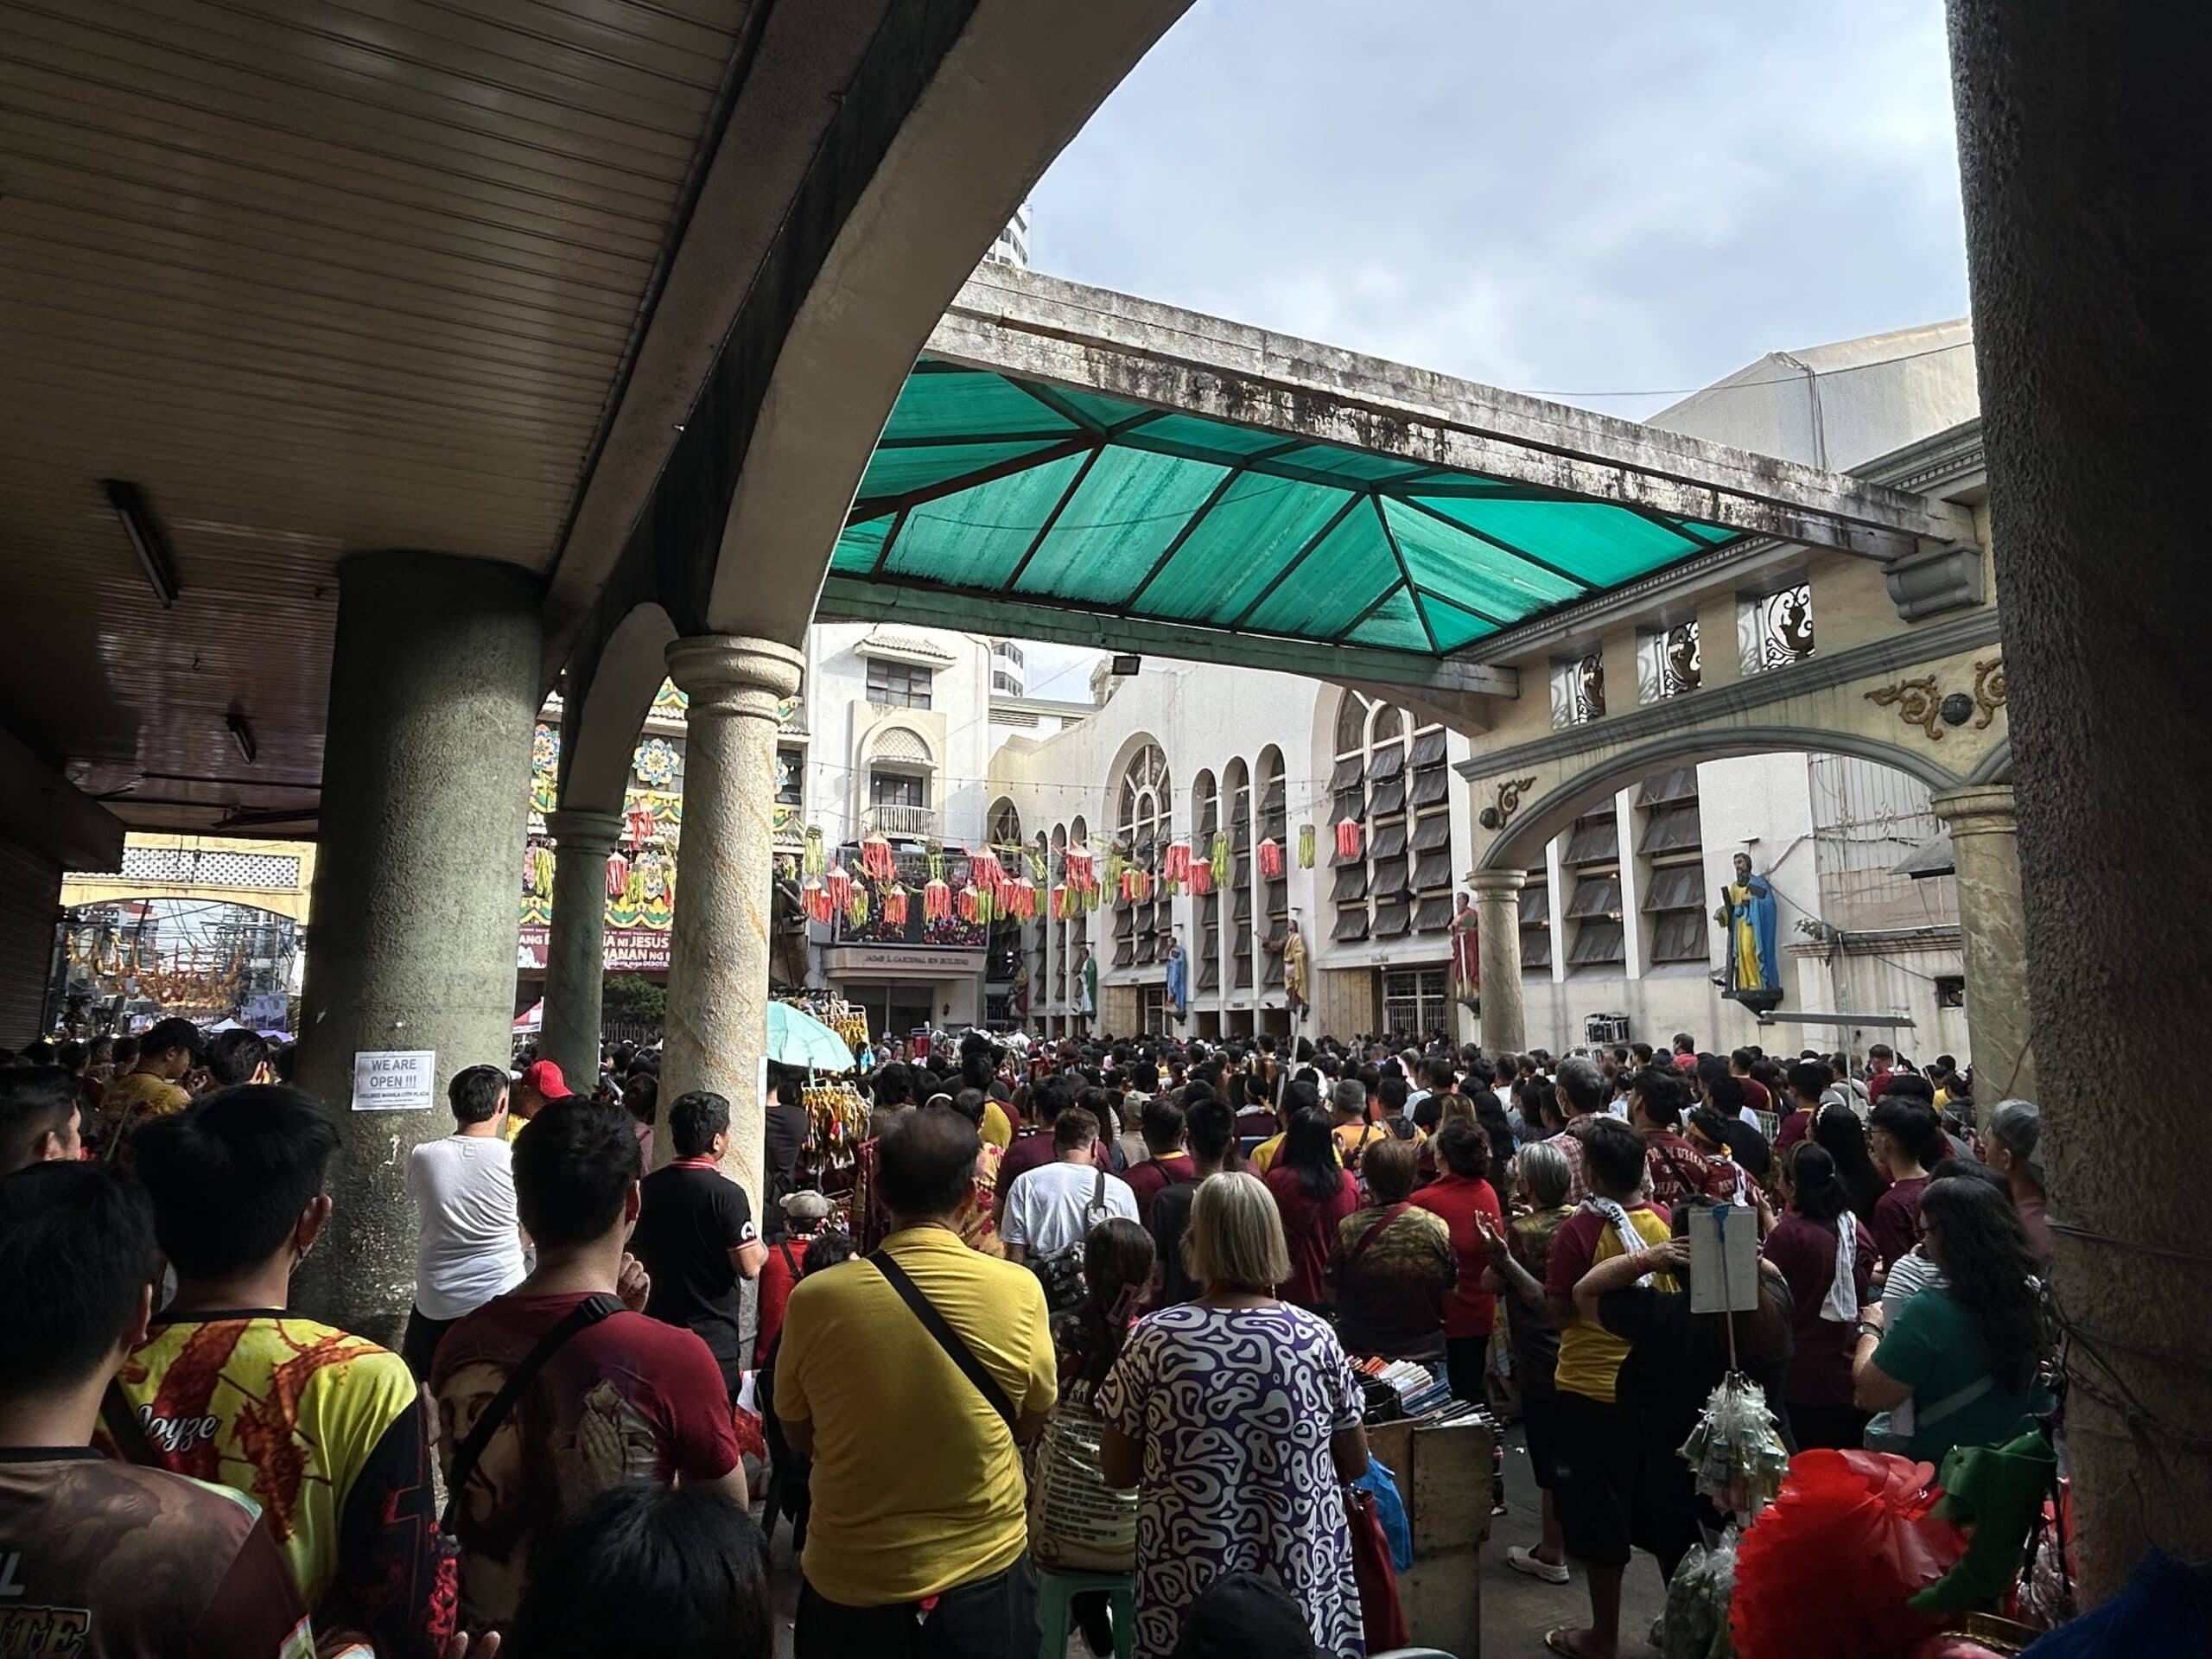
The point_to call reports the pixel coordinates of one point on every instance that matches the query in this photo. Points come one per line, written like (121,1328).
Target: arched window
(1390,777)
(1236,797)
(1006,823)
(1206,816)
(1144,823)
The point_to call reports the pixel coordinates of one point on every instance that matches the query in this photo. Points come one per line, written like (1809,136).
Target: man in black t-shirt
(786,1137)
(695,1234)
(1209,1132)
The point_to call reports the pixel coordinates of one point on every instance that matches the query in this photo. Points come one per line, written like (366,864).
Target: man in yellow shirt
(153,1088)
(541,1081)
(918,1503)
(1296,1097)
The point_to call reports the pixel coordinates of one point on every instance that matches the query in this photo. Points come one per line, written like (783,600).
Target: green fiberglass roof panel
(1128,510)
(988,485)
(1394,624)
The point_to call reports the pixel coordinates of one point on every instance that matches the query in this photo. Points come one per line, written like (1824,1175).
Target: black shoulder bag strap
(957,1351)
(579,1318)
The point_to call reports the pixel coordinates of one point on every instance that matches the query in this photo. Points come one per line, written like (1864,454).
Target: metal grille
(210,866)
(1778,629)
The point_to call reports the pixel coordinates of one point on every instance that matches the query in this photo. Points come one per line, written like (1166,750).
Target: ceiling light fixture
(242,734)
(146,538)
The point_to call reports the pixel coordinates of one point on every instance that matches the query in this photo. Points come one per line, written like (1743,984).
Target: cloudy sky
(1577,198)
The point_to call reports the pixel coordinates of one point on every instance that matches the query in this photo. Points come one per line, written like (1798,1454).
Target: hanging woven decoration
(814,898)
(936,902)
(1219,861)
(1082,869)
(937,861)
(1093,896)
(817,854)
(840,884)
(1038,873)
(856,906)
(1177,867)
(1023,905)
(1201,878)
(1059,902)
(1304,845)
(618,876)
(1271,858)
(875,857)
(1348,838)
(894,906)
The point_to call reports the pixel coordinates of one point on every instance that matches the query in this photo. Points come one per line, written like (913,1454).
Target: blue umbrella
(796,1038)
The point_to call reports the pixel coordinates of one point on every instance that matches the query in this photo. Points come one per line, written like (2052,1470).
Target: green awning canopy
(1006,489)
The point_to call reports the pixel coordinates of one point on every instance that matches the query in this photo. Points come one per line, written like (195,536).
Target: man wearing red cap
(541,1081)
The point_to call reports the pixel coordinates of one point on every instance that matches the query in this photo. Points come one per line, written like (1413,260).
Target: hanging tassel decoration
(1347,839)
(840,884)
(1304,845)
(875,857)
(936,902)
(894,907)
(816,898)
(856,908)
(1201,878)
(1082,869)
(1271,858)
(817,854)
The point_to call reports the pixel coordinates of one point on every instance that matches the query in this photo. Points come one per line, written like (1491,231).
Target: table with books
(1443,1455)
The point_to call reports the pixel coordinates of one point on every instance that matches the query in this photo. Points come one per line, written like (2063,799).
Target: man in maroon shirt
(1881,1067)
(1677,1170)
(1906,1138)
(625,1398)
(1161,1122)
(1808,1081)
(1755,1095)
(101,1558)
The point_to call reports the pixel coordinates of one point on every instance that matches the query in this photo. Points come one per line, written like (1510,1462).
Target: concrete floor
(1516,1610)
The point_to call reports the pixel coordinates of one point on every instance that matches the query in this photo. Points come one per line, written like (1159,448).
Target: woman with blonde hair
(1194,1419)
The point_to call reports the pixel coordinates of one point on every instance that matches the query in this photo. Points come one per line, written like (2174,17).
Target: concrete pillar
(1498,920)
(425,800)
(29,915)
(2077,146)
(1985,851)
(575,944)
(718,950)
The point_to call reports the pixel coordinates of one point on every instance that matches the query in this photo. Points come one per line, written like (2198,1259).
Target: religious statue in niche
(1467,957)
(1178,979)
(1746,914)
(1293,969)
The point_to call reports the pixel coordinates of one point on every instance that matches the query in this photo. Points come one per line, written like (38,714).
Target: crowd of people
(1088,1309)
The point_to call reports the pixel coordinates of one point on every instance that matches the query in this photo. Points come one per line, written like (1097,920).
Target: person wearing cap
(541,1081)
(2015,1141)
(153,1088)
(803,1214)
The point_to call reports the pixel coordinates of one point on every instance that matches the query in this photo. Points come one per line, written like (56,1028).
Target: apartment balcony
(899,822)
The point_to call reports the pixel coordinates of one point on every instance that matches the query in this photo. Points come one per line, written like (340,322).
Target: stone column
(425,799)
(718,950)
(1498,920)
(1985,852)
(575,944)
(2076,145)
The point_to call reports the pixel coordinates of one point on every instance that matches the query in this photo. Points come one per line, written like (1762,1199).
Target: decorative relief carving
(1921,701)
(1509,801)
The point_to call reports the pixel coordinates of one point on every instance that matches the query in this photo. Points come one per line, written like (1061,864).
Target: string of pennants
(1011,883)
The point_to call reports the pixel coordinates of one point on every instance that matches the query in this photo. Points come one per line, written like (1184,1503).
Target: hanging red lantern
(1178,866)
(894,907)
(1023,900)
(936,902)
(1201,878)
(1347,839)
(1083,869)
(816,898)
(840,885)
(618,876)
(1271,858)
(966,903)
(875,857)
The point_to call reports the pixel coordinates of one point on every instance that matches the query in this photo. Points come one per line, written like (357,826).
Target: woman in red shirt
(1456,1195)
(1313,1193)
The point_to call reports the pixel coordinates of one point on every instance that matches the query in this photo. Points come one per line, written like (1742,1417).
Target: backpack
(1061,1273)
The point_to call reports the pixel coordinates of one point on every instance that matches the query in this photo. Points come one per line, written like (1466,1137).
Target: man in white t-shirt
(469,1246)
(1056,1205)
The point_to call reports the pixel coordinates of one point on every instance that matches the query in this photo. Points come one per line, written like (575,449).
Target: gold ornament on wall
(1921,701)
